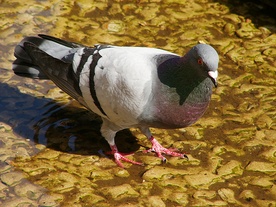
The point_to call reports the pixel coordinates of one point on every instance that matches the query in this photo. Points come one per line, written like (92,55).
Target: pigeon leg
(119,156)
(159,149)
(108,131)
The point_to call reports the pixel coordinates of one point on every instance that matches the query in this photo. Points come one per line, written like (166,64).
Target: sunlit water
(51,147)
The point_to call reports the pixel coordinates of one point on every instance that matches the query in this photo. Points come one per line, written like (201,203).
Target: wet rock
(48,154)
(175,183)
(5,127)
(62,8)
(264,167)
(214,163)
(20,202)
(264,182)
(229,28)
(204,202)
(234,18)
(150,160)
(211,122)
(68,177)
(115,26)
(155,201)
(29,190)
(230,169)
(4,167)
(55,93)
(85,170)
(207,198)
(202,180)
(11,178)
(65,157)
(144,188)
(50,200)
(261,202)
(228,195)
(240,134)
(179,198)
(247,195)
(264,121)
(3,187)
(101,175)
(115,9)
(204,194)
(270,154)
(85,196)
(162,173)
(22,153)
(120,192)
(247,30)
(122,173)
(149,12)
(270,52)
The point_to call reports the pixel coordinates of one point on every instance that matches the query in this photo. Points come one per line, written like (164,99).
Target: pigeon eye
(200,61)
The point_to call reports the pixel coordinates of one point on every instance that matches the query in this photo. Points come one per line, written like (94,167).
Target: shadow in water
(58,125)
(261,12)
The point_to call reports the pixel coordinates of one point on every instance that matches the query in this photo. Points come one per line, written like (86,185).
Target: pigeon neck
(178,73)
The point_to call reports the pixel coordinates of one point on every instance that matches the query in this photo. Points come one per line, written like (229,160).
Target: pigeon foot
(121,156)
(159,150)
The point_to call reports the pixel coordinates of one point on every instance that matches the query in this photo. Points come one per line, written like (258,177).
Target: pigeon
(126,86)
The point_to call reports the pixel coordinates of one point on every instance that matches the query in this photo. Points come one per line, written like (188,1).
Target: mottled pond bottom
(51,147)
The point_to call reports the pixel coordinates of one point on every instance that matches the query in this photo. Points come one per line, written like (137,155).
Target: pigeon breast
(181,95)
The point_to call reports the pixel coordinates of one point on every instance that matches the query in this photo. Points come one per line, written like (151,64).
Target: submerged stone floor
(51,147)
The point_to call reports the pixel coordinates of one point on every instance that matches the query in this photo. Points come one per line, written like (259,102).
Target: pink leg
(120,156)
(159,149)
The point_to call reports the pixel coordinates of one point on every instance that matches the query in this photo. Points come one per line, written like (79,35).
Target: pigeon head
(205,59)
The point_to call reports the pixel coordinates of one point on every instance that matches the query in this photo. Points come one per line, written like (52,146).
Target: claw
(186,157)
(164,160)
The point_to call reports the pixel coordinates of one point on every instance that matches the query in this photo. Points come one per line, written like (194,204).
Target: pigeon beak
(213,75)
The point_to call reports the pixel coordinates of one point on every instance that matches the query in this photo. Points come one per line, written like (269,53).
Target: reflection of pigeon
(126,86)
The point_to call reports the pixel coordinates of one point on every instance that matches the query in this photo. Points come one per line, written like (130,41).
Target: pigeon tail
(24,64)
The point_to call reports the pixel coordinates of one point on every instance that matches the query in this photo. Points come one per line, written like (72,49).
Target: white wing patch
(77,59)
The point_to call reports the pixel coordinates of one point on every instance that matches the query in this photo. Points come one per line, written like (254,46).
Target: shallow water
(51,147)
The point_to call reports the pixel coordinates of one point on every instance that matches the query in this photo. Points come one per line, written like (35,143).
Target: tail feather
(61,76)
(27,69)
(57,48)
